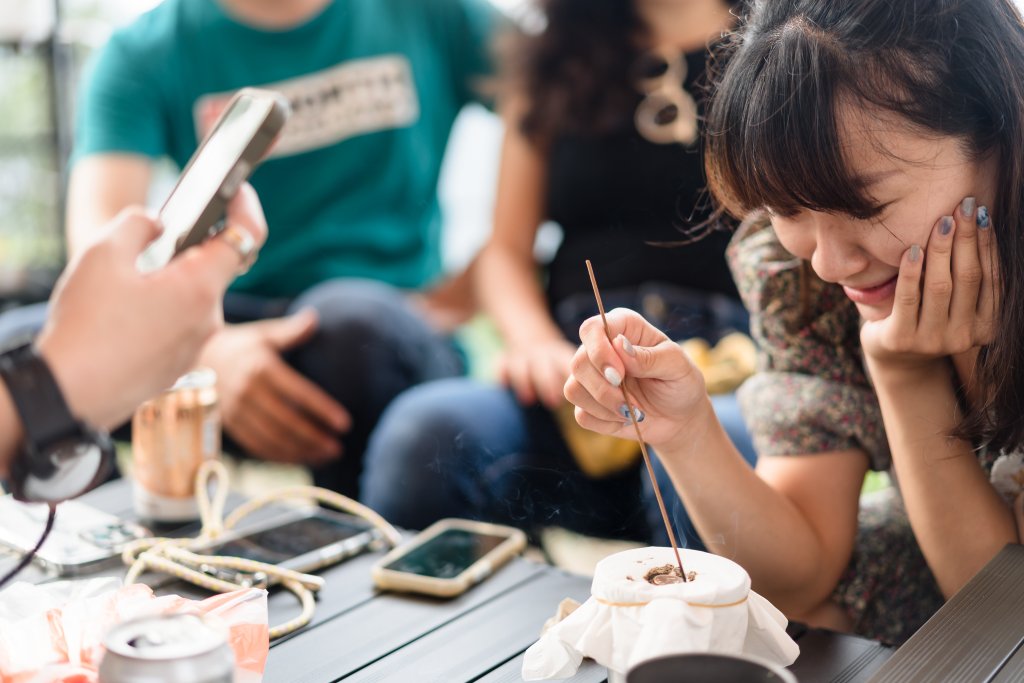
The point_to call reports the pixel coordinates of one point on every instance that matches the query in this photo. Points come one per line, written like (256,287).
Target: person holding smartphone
(347,306)
(116,337)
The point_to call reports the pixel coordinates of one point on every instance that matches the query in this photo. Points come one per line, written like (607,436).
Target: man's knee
(410,468)
(437,429)
(423,425)
(370,343)
(356,311)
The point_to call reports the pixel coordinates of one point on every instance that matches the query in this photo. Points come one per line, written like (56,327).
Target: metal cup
(172,434)
(708,668)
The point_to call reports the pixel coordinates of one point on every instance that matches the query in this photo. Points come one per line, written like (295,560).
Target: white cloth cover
(628,620)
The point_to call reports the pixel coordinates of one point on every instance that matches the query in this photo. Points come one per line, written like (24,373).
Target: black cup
(707,668)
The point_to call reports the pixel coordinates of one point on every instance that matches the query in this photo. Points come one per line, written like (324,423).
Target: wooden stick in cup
(636,427)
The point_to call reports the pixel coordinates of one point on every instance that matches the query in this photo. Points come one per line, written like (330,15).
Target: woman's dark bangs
(774,141)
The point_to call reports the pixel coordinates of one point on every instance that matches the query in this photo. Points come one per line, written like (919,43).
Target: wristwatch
(61,457)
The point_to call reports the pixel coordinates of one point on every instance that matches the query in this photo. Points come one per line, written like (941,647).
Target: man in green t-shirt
(345,307)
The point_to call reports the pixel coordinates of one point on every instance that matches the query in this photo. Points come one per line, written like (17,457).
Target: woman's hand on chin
(946,297)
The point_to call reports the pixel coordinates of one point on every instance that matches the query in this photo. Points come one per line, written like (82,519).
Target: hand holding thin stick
(636,427)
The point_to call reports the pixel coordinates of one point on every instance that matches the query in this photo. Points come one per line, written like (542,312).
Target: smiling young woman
(874,149)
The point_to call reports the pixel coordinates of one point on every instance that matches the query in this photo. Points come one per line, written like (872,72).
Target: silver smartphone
(83,539)
(238,141)
(303,540)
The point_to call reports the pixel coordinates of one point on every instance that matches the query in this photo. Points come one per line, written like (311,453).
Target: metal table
(359,634)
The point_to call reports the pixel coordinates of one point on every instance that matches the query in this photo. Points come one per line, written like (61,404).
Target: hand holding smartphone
(448,557)
(239,139)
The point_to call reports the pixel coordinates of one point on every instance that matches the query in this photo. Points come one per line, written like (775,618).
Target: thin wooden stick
(636,427)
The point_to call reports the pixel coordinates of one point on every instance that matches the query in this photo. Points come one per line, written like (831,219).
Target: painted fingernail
(983,219)
(627,346)
(613,376)
(967,207)
(637,413)
(945,225)
(915,253)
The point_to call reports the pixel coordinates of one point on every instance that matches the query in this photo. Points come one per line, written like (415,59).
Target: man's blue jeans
(461,448)
(466,449)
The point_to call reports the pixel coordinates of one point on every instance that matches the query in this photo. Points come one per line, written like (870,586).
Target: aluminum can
(173,648)
(172,435)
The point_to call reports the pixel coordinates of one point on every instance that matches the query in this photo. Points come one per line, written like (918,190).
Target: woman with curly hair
(602,111)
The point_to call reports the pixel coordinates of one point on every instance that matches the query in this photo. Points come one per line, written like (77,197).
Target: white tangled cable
(220,574)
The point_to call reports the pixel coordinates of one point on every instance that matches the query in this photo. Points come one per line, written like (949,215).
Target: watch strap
(37,397)
(62,458)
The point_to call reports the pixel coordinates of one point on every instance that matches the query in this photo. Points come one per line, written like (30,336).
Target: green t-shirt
(350,190)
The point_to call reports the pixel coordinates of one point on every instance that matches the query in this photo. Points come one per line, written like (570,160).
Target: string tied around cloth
(644,603)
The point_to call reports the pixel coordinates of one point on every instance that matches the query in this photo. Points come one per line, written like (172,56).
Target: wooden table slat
(377,628)
(1013,670)
(836,657)
(477,642)
(970,638)
(512,672)
(347,586)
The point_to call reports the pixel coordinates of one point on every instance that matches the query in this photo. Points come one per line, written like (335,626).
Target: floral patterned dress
(811,394)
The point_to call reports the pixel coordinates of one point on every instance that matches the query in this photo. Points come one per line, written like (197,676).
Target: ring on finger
(244,245)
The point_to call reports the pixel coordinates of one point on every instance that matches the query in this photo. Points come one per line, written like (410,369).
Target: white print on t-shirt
(354,98)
